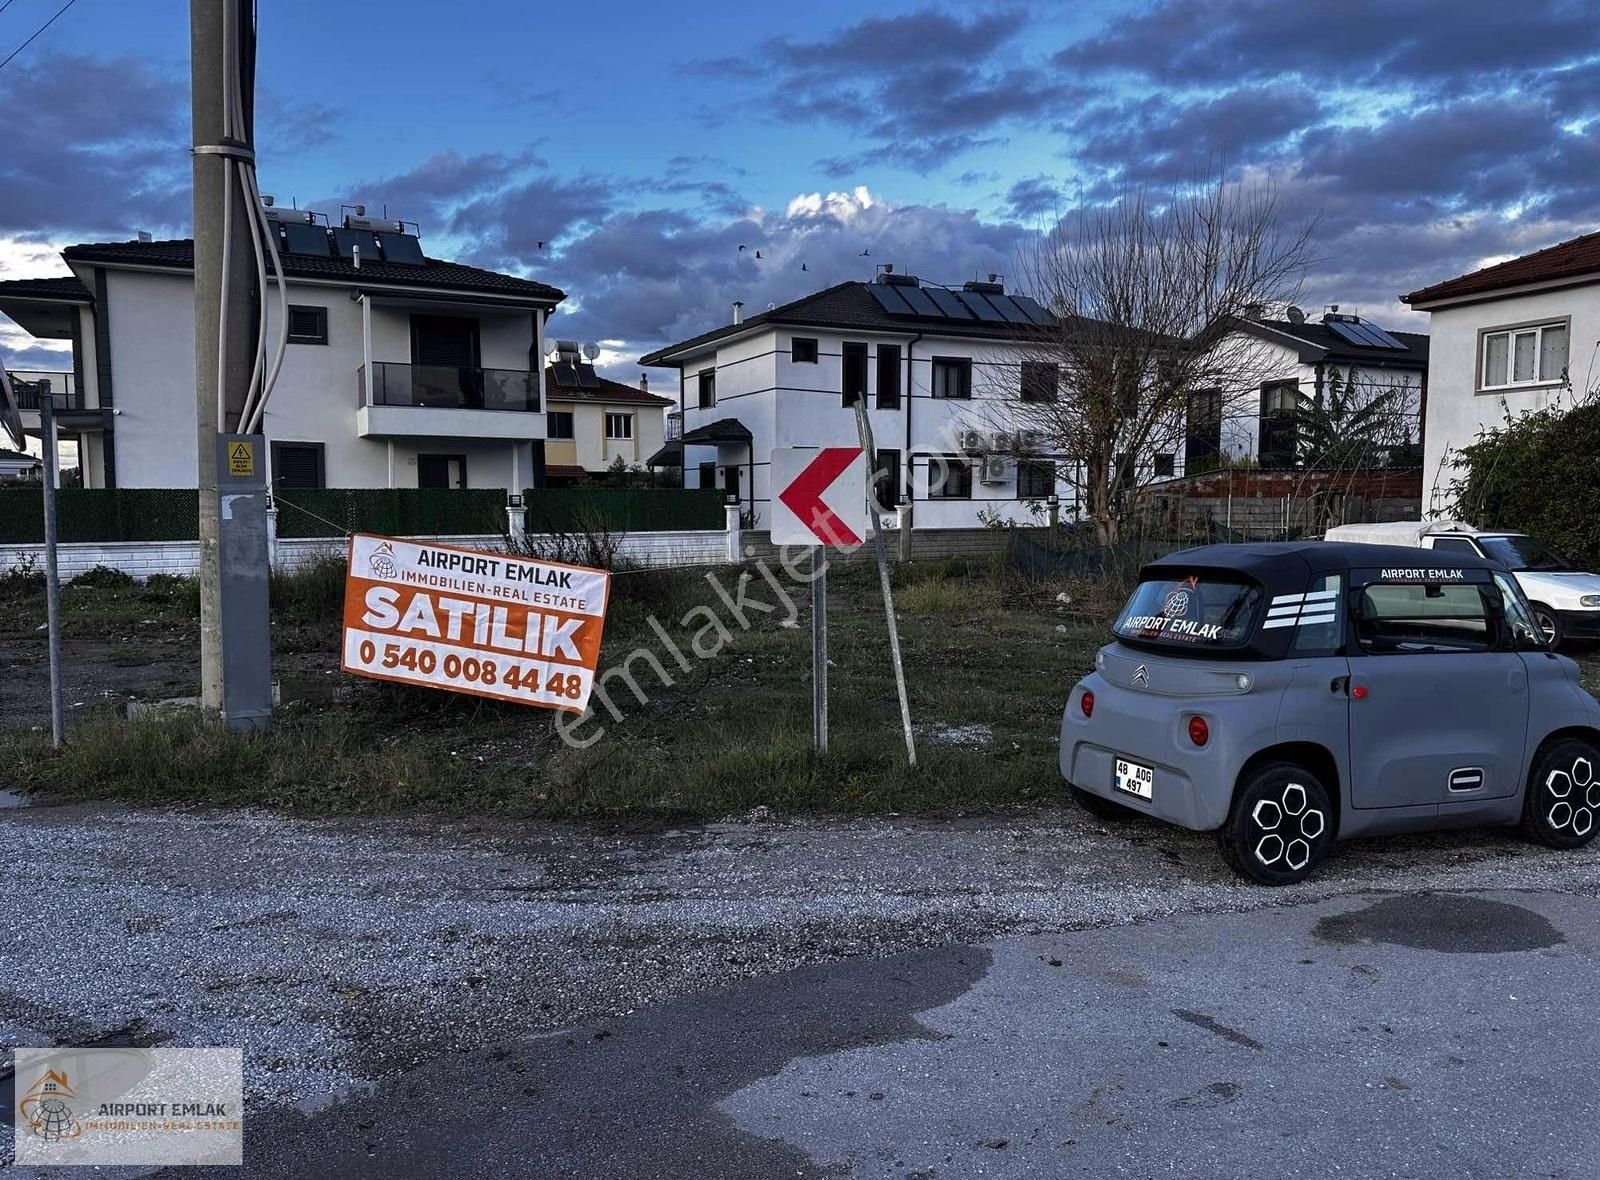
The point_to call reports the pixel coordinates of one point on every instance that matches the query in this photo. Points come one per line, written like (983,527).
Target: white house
(931,363)
(1517,336)
(1283,364)
(593,421)
(401,370)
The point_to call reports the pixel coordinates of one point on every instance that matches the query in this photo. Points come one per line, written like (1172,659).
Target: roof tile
(1578,256)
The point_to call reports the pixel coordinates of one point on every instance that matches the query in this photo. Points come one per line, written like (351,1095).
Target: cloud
(1449,43)
(649,277)
(920,89)
(93,146)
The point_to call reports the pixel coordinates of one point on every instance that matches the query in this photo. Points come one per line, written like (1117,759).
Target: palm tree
(1344,426)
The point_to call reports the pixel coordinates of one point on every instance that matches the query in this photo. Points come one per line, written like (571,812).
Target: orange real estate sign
(488,624)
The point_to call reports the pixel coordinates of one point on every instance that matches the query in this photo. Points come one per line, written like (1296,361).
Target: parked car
(1566,601)
(1288,695)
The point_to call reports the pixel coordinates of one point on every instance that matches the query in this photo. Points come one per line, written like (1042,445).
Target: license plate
(1134,779)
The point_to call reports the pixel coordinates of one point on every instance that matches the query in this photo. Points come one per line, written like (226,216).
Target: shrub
(1538,474)
(103,577)
(23,580)
(310,593)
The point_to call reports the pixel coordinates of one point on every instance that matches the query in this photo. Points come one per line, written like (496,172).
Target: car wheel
(1549,622)
(1562,808)
(1099,807)
(1280,826)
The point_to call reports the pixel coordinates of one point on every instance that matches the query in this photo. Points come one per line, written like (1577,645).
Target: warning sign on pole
(241,459)
(489,624)
(821,496)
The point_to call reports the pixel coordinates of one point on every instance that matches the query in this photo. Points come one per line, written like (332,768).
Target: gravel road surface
(1029,995)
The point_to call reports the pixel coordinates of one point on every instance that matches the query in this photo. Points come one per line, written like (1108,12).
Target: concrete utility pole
(235,653)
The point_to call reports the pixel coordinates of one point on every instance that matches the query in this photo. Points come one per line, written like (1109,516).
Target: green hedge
(394,512)
(624,510)
(101,514)
(1539,474)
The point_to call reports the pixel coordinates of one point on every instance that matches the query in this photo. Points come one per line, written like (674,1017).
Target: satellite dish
(590,351)
(10,412)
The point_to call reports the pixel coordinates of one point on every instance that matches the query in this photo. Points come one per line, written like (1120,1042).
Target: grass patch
(729,733)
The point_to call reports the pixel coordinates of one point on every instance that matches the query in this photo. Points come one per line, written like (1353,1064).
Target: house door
(730,481)
(441,471)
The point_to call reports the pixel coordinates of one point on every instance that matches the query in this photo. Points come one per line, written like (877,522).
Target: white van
(1566,601)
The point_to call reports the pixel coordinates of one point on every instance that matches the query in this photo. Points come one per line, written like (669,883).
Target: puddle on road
(1450,922)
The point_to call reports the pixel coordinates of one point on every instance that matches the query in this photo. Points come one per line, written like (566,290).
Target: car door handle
(1339,684)
(1516,680)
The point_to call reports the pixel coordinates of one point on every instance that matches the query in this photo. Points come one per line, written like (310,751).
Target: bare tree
(1148,290)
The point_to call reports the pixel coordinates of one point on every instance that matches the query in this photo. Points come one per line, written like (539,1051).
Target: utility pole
(235,650)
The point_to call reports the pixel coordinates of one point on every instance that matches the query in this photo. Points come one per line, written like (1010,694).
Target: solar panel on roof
(347,239)
(404,249)
(889,299)
(1007,308)
(300,238)
(565,373)
(919,301)
(1364,335)
(980,306)
(587,377)
(948,303)
(1034,312)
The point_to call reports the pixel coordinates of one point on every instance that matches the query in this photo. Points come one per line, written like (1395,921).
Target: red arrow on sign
(803,496)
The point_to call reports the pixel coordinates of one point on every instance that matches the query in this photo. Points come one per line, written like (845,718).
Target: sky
(624,150)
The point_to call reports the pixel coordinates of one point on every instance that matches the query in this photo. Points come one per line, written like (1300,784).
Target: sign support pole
(864,430)
(819,649)
(52,574)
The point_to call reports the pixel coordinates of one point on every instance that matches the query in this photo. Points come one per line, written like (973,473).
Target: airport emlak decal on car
(1171,623)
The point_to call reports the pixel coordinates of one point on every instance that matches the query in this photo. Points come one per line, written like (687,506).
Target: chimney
(738,311)
(644,382)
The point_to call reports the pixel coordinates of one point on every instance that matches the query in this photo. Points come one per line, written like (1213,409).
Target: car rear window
(1191,610)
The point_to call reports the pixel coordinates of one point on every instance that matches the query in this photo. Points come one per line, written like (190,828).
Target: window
(1519,552)
(854,382)
(1199,611)
(803,351)
(558,424)
(1036,479)
(1455,545)
(1525,629)
(1424,617)
(888,376)
(441,471)
(708,388)
(1165,465)
(949,478)
(708,475)
(1528,354)
(445,341)
(619,426)
(308,325)
(886,480)
(1318,627)
(297,465)
(1202,444)
(1041,381)
(952,377)
(1280,404)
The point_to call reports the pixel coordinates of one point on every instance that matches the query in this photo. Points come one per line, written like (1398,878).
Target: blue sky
(643,143)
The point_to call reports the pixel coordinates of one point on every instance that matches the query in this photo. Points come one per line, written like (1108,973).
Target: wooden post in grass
(864,430)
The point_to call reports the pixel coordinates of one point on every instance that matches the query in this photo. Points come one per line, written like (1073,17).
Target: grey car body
(1367,665)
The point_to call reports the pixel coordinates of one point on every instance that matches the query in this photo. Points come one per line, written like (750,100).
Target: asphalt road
(1033,996)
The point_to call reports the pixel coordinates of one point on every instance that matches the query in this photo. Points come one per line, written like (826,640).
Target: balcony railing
(33,387)
(673,430)
(449,388)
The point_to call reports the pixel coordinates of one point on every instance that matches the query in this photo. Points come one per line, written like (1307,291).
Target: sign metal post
(864,429)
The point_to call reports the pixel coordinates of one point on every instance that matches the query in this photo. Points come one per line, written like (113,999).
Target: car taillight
(1199,731)
(1086,703)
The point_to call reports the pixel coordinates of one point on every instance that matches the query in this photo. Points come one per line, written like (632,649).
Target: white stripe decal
(1321,594)
(1271,623)
(1288,598)
(1307,620)
(1274,612)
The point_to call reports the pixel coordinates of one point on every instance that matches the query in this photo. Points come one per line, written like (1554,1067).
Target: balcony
(434,401)
(672,431)
(32,386)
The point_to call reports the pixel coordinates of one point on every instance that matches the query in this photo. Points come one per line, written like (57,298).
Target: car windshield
(1202,610)
(1521,552)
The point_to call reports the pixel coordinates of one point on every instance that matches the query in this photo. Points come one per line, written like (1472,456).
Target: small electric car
(1287,695)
